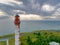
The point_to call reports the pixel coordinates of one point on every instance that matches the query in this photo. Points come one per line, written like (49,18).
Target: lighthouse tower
(17,31)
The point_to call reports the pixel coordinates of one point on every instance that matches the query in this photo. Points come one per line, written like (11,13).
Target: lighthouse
(17,31)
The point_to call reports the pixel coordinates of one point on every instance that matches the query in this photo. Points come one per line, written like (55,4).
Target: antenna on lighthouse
(17,31)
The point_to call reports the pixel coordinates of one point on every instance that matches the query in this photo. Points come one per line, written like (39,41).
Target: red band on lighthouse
(17,21)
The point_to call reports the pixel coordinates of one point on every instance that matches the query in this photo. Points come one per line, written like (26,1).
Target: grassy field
(34,38)
(2,43)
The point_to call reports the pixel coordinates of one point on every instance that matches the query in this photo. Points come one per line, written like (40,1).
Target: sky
(36,9)
(28,10)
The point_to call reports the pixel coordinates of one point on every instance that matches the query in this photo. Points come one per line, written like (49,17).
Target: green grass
(12,41)
(6,36)
(35,38)
(2,43)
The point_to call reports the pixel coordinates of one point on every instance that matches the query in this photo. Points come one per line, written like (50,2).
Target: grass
(2,43)
(42,37)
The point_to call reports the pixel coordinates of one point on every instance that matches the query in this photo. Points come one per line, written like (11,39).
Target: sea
(8,27)
(28,26)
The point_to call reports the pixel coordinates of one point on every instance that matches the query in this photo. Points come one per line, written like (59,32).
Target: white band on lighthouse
(17,36)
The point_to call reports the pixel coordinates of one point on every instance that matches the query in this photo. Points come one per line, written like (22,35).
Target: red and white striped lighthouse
(17,31)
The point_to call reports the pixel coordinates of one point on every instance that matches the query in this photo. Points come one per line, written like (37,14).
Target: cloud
(52,2)
(35,6)
(2,13)
(48,8)
(56,14)
(3,1)
(42,8)
(36,17)
(31,17)
(9,9)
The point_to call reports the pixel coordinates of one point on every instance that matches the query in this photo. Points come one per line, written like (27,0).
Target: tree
(29,41)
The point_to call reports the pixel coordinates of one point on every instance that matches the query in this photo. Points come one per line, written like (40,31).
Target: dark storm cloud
(53,2)
(6,8)
(9,9)
(30,7)
(34,6)
(27,2)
